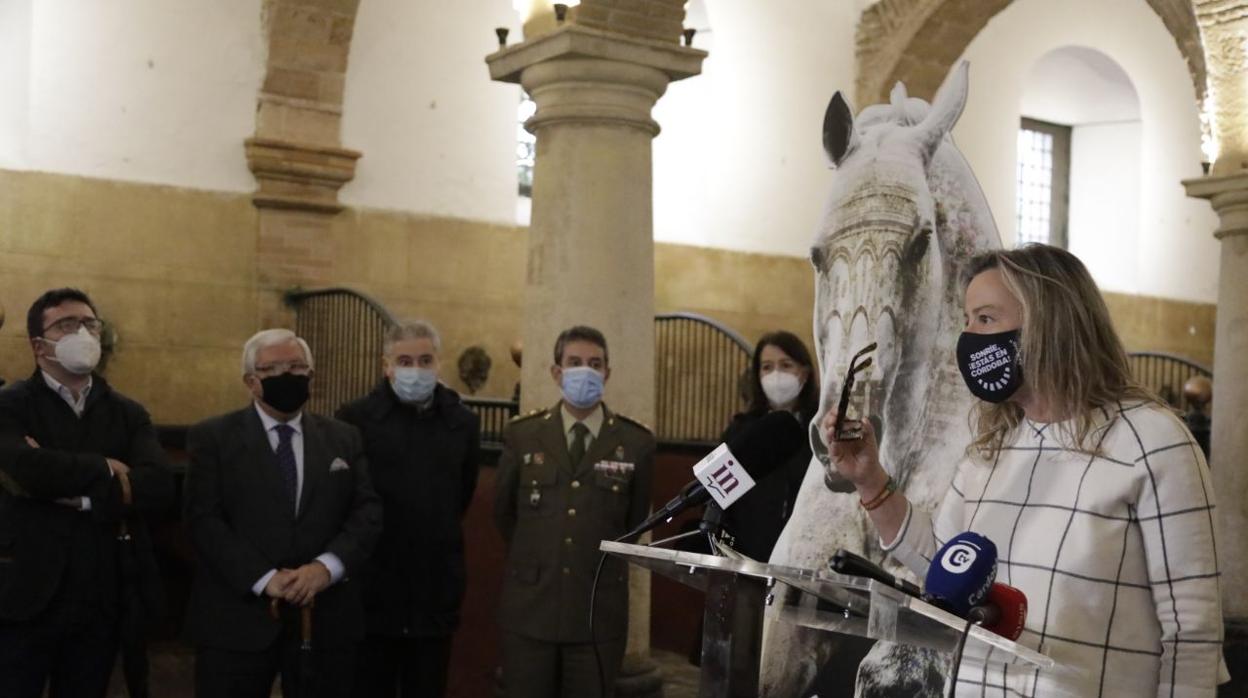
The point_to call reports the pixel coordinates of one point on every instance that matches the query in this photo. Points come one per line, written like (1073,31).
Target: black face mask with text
(990,364)
(285,392)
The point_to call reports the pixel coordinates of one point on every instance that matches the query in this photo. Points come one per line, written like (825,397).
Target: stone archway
(917,41)
(296,153)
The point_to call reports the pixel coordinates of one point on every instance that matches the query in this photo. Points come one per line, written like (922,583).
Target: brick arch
(917,41)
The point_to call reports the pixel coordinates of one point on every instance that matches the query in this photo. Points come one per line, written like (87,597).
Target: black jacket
(242,526)
(756,520)
(424,466)
(47,549)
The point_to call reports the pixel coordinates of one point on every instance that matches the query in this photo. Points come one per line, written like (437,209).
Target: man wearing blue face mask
(569,476)
(423,450)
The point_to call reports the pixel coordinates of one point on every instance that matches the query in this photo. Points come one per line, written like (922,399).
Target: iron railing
(344,329)
(1165,374)
(495,413)
(700,366)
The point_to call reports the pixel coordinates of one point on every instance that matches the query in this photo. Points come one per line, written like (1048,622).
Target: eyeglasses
(298,368)
(70,325)
(839,430)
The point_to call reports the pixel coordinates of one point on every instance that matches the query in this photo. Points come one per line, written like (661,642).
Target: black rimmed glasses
(851,429)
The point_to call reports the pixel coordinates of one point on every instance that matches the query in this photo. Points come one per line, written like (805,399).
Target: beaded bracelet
(889,488)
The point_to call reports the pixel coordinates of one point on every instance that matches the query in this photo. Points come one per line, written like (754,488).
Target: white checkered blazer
(1115,553)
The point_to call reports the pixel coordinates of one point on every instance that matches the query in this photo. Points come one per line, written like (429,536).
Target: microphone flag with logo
(723,476)
(731,470)
(961,573)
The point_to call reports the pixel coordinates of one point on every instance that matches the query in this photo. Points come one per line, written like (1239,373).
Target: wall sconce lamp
(561,12)
(501,33)
(688,34)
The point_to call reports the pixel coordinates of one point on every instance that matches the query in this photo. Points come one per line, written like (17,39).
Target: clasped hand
(300,585)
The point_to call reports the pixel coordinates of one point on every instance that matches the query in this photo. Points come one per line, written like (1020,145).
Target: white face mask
(78,353)
(781,388)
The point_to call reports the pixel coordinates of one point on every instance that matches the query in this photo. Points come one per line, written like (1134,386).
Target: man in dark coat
(423,451)
(70,575)
(569,477)
(281,513)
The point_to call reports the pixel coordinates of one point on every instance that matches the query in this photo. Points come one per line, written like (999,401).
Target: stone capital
(577,41)
(583,75)
(1228,194)
(299,176)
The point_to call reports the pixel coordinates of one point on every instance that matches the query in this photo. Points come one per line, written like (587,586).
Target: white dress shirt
(330,560)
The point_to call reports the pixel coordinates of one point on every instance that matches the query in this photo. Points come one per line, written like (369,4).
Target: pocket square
(338,464)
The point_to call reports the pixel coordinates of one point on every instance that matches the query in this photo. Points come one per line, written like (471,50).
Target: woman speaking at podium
(1097,497)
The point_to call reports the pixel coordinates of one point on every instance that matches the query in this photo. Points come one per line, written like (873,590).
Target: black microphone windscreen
(766,444)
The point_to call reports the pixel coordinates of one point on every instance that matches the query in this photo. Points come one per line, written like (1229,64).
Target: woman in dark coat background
(782,377)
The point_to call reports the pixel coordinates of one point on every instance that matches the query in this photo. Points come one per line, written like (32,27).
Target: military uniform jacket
(553,513)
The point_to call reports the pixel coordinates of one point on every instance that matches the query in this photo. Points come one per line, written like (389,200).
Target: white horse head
(904,215)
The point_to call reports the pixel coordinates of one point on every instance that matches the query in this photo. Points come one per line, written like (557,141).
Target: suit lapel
(316,459)
(264,457)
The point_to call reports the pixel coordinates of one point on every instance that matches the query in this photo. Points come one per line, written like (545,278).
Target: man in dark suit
(423,449)
(281,512)
(70,574)
(569,476)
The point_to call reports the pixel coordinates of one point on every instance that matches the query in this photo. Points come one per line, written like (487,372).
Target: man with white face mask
(423,448)
(569,476)
(76,563)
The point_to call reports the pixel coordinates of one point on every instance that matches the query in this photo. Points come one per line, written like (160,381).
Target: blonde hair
(1071,356)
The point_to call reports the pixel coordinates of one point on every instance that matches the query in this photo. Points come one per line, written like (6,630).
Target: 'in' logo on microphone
(723,476)
(724,480)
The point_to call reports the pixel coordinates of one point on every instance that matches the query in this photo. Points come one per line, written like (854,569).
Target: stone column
(591,247)
(1223,25)
(1228,194)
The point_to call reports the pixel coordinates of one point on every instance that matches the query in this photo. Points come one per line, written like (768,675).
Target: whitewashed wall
(139,90)
(739,164)
(438,135)
(165,92)
(1172,253)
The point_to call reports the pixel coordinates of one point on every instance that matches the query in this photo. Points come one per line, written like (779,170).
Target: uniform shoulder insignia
(634,422)
(528,415)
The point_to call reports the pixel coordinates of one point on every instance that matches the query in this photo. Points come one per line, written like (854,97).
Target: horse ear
(946,108)
(898,97)
(839,137)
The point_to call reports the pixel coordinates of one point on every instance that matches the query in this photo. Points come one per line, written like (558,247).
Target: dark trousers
(223,673)
(68,649)
(407,667)
(537,669)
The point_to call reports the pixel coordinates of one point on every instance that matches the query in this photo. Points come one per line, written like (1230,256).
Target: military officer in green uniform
(569,476)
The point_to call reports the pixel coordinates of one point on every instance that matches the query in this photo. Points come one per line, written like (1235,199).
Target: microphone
(961,573)
(1003,612)
(845,562)
(731,469)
